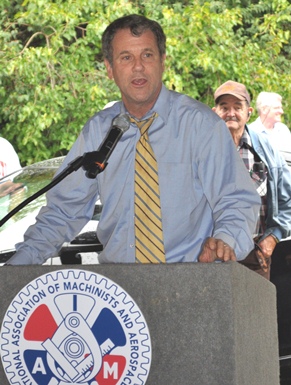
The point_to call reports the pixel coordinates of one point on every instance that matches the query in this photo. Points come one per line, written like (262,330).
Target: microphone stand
(91,162)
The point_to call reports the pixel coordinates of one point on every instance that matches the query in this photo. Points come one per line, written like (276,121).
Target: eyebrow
(128,52)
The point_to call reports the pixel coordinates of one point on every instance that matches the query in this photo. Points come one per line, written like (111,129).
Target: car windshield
(22,185)
(15,189)
(25,185)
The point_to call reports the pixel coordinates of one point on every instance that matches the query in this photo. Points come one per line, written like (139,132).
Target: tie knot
(144,124)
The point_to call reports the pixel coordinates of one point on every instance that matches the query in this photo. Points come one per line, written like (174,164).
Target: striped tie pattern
(149,244)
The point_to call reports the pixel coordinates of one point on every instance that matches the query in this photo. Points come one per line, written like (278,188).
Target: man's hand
(216,250)
(9,188)
(264,250)
(267,246)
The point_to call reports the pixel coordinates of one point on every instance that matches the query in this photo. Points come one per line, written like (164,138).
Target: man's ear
(108,68)
(250,111)
(214,109)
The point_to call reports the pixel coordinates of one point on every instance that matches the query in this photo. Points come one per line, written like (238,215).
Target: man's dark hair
(137,25)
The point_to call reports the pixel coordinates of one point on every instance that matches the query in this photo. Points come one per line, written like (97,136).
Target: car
(25,186)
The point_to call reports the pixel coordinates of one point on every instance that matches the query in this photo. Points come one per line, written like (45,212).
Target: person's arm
(8,187)
(279,221)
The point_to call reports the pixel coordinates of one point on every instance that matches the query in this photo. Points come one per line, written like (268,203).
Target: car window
(24,184)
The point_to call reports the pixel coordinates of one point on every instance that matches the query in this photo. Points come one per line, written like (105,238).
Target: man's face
(234,112)
(273,113)
(137,69)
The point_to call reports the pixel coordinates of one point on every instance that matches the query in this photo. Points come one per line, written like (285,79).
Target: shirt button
(131,245)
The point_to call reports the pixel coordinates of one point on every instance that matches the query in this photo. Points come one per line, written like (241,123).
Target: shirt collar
(162,106)
(245,138)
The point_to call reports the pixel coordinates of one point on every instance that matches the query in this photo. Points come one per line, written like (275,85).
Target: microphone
(96,161)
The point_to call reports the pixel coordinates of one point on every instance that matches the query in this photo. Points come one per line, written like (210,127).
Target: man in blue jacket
(267,169)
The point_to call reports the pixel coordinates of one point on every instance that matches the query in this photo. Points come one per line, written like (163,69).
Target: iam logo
(74,327)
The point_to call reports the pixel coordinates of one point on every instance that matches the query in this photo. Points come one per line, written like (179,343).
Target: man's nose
(138,64)
(230,112)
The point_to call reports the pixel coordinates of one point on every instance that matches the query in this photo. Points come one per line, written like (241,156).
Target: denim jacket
(278,221)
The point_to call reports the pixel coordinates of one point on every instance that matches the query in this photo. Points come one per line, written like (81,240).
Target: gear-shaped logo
(73,327)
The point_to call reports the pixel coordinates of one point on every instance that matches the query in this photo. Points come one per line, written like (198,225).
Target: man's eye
(125,58)
(148,56)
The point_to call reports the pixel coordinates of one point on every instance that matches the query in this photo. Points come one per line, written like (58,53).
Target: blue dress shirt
(204,187)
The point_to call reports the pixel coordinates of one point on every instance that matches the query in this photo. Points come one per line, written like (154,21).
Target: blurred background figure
(270,111)
(9,161)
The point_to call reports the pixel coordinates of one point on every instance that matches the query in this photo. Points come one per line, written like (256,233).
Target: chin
(232,126)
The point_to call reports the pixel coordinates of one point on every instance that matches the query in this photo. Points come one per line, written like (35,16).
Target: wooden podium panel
(209,324)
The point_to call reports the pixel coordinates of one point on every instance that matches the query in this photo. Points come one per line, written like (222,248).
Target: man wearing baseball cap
(267,169)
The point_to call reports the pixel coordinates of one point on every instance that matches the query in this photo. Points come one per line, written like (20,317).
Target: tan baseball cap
(233,88)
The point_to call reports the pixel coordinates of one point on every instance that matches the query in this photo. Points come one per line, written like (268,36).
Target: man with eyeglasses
(267,169)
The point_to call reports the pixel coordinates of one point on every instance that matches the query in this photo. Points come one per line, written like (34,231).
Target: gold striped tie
(149,243)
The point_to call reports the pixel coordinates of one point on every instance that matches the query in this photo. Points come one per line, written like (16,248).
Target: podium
(209,324)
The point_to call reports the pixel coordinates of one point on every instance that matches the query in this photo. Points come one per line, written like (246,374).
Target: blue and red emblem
(74,327)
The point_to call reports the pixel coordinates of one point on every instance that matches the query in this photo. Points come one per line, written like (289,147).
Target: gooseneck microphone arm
(92,162)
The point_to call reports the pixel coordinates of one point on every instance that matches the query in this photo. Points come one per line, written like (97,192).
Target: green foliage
(52,78)
(211,43)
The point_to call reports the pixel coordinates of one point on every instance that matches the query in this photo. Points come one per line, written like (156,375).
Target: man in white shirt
(9,161)
(270,110)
